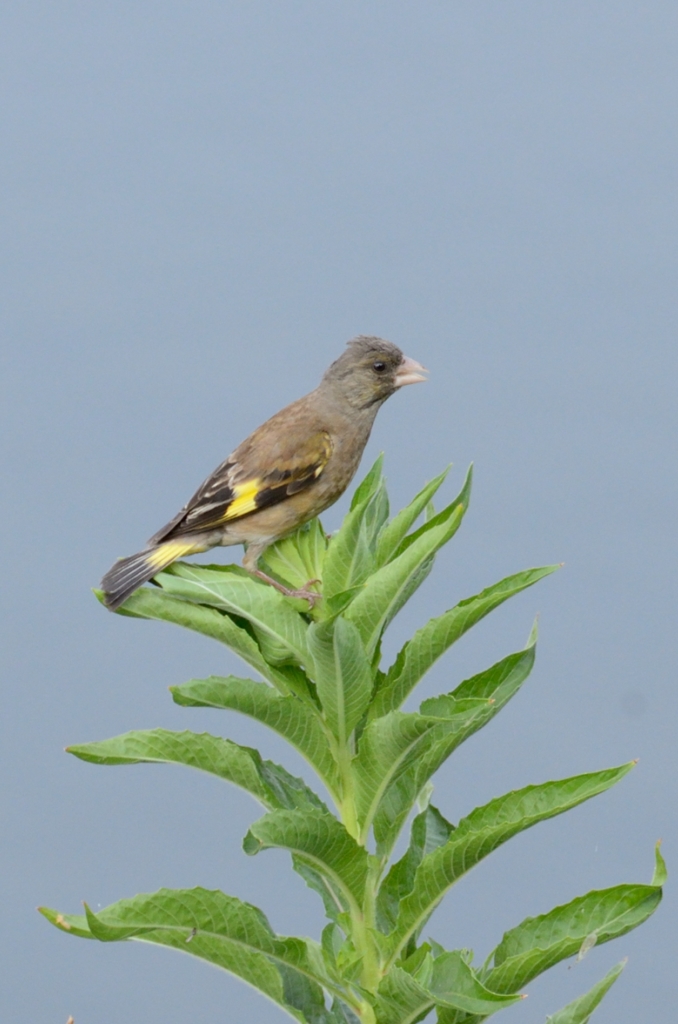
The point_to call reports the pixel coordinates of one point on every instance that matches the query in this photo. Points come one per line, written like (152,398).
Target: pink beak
(409,372)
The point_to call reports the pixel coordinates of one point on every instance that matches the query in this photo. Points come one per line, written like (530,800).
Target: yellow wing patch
(245,499)
(328,448)
(220,501)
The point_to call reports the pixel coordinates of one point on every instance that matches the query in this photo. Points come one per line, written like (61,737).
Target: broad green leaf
(268,783)
(340,954)
(376,515)
(452,981)
(334,899)
(394,532)
(154,603)
(332,941)
(446,981)
(462,713)
(435,519)
(223,931)
(388,588)
(341,673)
(330,607)
(429,831)
(341,1014)
(482,831)
(387,747)
(371,493)
(430,642)
(72,924)
(279,629)
(579,1011)
(371,482)
(498,683)
(444,1016)
(540,942)
(391,748)
(290,717)
(350,555)
(321,841)
(299,558)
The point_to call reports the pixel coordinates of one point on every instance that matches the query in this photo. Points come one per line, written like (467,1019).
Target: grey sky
(201,202)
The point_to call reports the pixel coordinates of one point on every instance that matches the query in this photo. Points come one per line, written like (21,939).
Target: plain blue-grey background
(201,202)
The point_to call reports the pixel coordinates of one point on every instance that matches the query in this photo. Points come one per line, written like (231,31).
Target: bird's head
(370,370)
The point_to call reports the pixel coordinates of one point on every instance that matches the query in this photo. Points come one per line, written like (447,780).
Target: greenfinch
(285,473)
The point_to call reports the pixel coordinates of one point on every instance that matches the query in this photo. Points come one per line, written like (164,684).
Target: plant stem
(372,972)
(366,1014)
(364,944)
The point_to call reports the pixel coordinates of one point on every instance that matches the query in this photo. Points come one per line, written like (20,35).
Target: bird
(289,470)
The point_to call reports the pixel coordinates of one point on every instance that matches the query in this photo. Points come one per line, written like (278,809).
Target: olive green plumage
(286,472)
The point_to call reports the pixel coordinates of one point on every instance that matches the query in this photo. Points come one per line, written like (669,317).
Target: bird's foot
(312,596)
(304,593)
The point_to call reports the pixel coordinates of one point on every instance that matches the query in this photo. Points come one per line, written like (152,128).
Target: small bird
(284,474)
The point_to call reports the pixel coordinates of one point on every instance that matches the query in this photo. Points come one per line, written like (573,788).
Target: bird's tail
(128,574)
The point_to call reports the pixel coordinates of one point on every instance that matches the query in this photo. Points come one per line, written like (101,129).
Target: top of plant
(324,691)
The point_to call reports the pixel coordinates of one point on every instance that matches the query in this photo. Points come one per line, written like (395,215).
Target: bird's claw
(305,594)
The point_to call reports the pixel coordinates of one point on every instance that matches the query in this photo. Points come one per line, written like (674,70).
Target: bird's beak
(409,372)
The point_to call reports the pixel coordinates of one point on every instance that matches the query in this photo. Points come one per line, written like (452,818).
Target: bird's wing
(263,471)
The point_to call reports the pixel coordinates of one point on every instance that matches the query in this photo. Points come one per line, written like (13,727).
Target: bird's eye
(379,367)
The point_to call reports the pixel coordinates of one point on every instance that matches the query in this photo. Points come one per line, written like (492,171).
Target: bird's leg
(308,595)
(253,552)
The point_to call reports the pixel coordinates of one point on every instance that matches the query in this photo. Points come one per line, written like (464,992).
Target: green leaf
(446,981)
(376,515)
(660,874)
(429,831)
(350,555)
(227,933)
(321,841)
(540,942)
(279,629)
(498,683)
(391,749)
(341,1014)
(390,587)
(290,717)
(154,603)
(332,941)
(268,783)
(367,487)
(579,1011)
(334,900)
(482,831)
(298,558)
(341,673)
(435,519)
(72,924)
(399,752)
(330,607)
(394,532)
(460,714)
(430,642)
